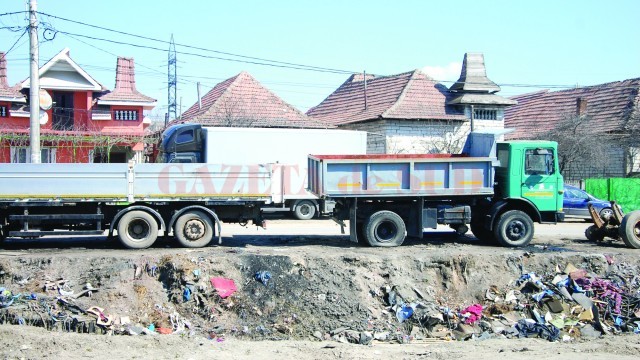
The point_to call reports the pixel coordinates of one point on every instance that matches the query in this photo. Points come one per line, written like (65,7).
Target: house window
(101,112)
(485,114)
(131,115)
(3,111)
(23,155)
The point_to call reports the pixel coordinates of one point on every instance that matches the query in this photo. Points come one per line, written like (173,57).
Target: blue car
(576,200)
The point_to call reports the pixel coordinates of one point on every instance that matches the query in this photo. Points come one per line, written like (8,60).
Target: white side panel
(289,147)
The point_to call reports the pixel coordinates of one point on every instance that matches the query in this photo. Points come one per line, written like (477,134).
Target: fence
(625,191)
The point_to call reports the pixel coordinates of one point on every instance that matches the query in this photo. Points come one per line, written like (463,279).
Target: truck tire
(481,233)
(137,229)
(362,239)
(385,229)
(630,229)
(305,210)
(193,229)
(514,228)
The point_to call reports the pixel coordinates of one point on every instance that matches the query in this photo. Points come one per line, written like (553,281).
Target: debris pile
(273,298)
(564,304)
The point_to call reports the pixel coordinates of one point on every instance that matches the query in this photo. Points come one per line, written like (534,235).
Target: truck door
(539,178)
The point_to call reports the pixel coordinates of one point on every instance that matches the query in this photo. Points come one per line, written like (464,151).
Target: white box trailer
(286,149)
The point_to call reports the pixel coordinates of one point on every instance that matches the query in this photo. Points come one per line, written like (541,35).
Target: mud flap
(353,232)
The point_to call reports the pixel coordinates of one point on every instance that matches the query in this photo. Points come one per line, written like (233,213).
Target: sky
(528,45)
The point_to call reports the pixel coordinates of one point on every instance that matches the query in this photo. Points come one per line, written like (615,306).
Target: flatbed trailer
(498,189)
(138,202)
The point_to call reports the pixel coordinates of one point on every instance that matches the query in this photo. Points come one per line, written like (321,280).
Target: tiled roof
(411,95)
(7,91)
(609,106)
(125,90)
(243,101)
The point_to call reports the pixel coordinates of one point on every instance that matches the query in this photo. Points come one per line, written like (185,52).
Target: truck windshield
(539,162)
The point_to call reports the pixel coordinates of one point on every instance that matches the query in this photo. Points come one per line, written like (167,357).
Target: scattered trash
(224,287)
(263,277)
(404,312)
(472,314)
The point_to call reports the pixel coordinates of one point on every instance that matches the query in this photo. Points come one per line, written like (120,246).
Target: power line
(262,60)
(14,44)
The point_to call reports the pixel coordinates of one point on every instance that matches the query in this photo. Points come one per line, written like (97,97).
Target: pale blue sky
(541,42)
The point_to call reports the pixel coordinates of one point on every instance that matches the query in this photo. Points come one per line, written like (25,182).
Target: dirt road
(320,282)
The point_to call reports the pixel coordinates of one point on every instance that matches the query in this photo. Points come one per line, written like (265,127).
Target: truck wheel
(305,210)
(630,229)
(193,229)
(481,233)
(515,228)
(385,229)
(137,230)
(362,239)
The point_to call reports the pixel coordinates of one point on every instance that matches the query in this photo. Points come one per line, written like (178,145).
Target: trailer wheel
(193,229)
(305,210)
(630,229)
(385,229)
(514,228)
(137,230)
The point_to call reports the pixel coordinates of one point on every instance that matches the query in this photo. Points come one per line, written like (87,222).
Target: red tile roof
(243,101)
(411,95)
(125,84)
(6,90)
(609,105)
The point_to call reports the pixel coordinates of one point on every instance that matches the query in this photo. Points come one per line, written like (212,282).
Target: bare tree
(233,113)
(446,137)
(579,142)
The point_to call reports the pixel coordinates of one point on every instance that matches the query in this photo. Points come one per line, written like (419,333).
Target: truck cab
(182,144)
(528,172)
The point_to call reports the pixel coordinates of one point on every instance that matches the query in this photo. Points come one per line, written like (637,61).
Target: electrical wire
(262,60)
(14,44)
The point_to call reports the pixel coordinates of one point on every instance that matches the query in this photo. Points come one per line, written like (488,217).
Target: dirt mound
(345,297)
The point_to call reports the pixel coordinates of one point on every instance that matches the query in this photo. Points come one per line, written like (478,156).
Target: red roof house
(413,113)
(243,101)
(87,123)
(612,109)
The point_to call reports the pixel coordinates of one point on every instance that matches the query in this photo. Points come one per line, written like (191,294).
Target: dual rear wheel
(138,229)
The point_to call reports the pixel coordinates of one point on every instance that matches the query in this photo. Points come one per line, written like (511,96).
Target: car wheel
(606,213)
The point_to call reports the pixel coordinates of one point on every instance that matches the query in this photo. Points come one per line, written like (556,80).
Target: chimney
(125,76)
(4,83)
(581,106)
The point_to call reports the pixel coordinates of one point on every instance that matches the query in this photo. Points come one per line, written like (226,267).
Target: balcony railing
(118,115)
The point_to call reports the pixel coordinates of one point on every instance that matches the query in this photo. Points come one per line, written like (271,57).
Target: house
(242,101)
(413,113)
(87,122)
(605,112)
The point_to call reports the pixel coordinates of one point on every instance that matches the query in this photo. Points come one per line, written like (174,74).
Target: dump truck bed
(426,175)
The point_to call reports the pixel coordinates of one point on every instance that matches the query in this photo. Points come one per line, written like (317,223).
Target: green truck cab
(528,188)
(528,171)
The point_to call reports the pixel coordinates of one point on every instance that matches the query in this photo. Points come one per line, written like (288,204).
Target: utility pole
(172,81)
(34,86)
